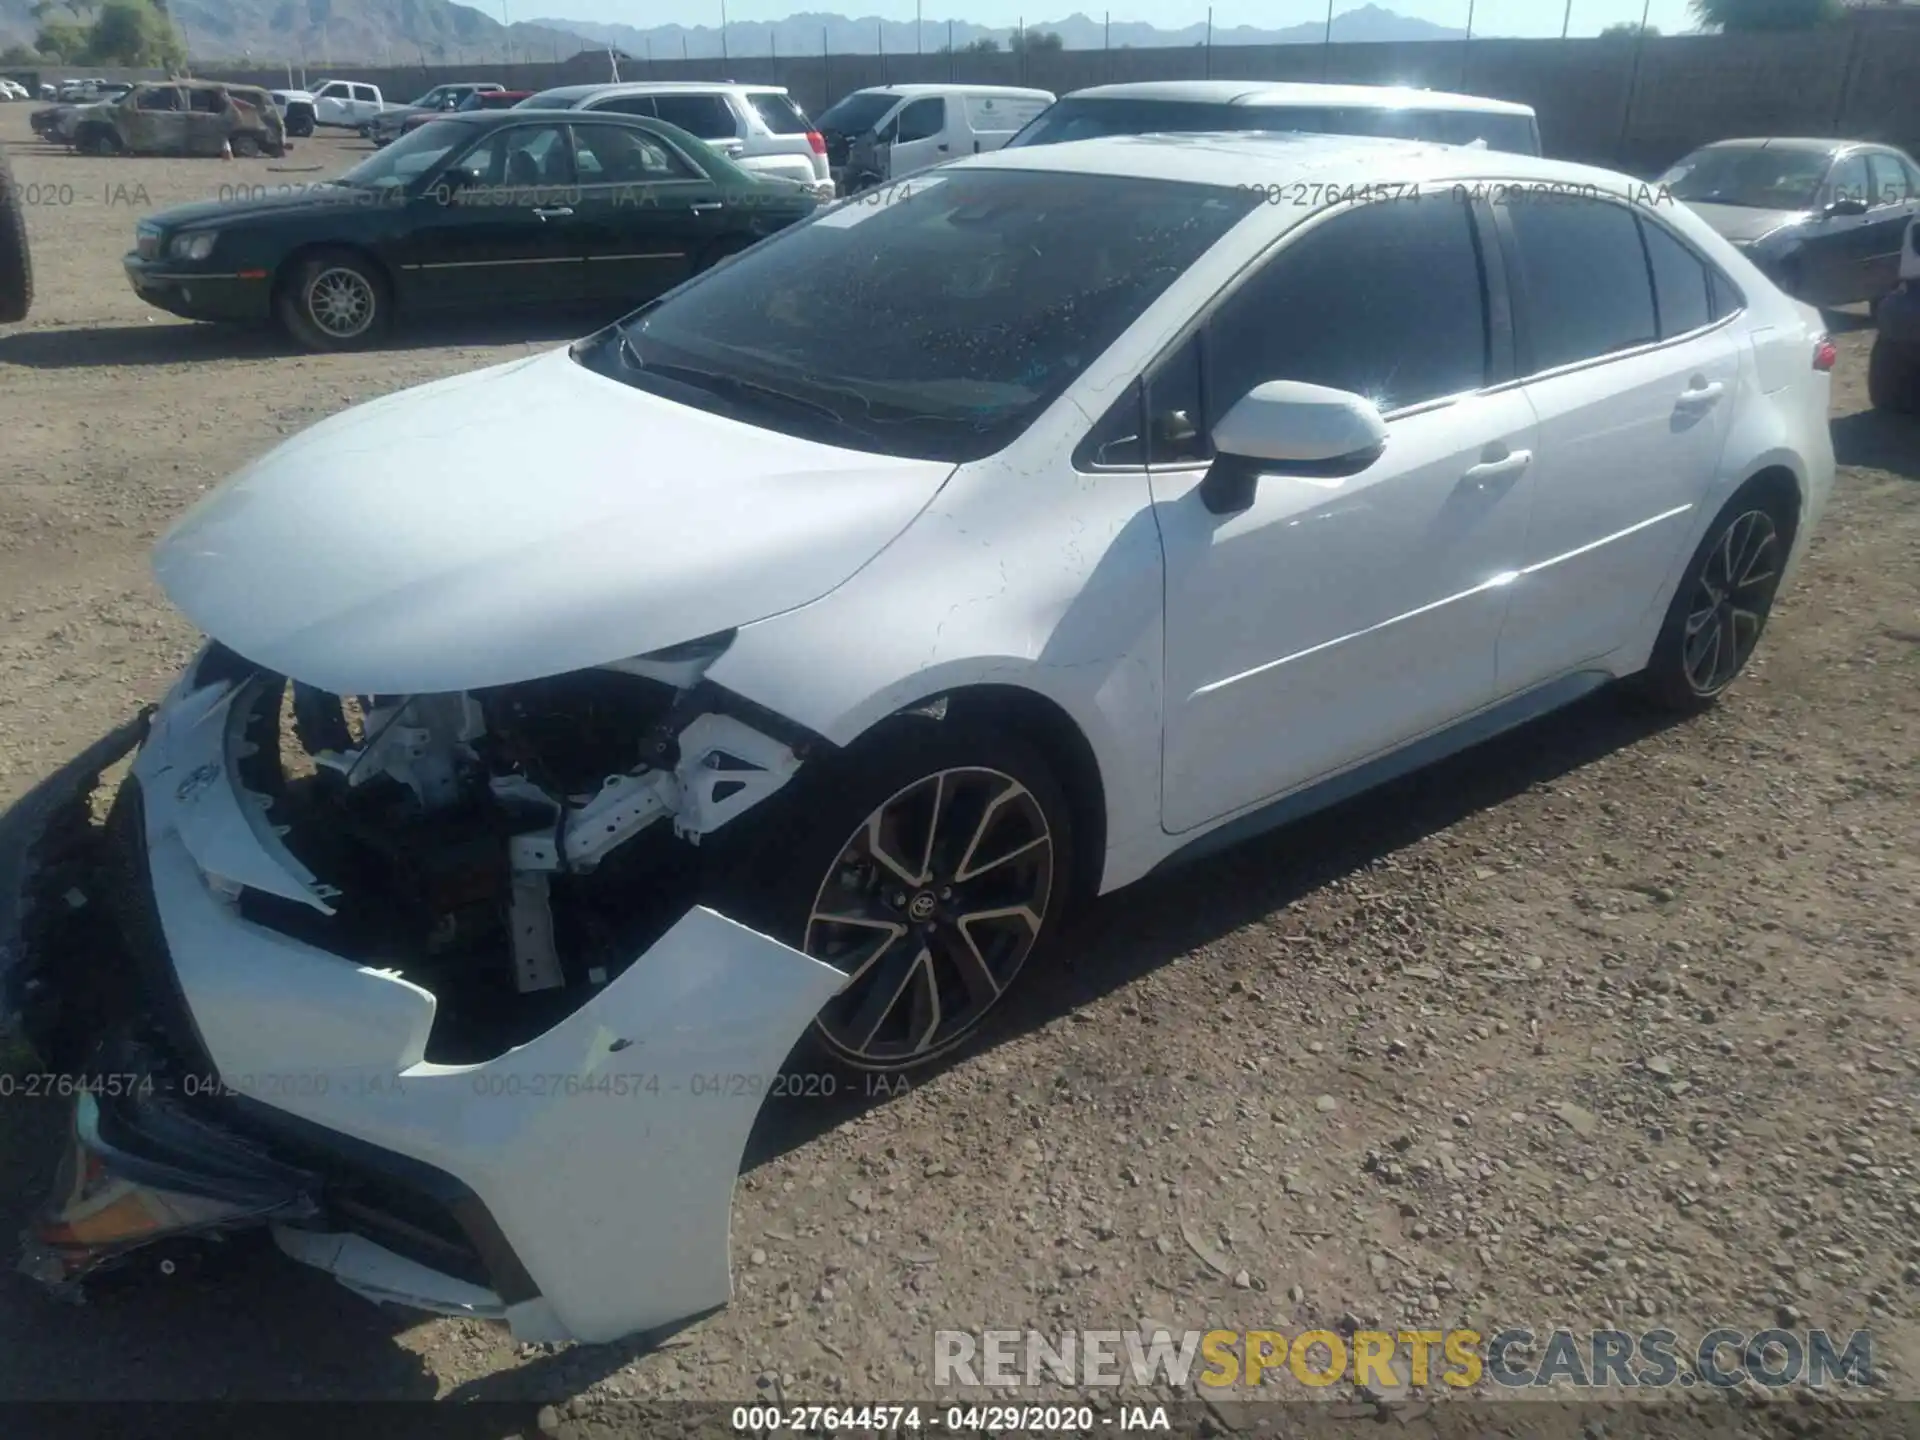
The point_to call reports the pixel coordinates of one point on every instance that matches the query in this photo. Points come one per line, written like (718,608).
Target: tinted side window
(1849,181)
(1585,277)
(705,117)
(778,113)
(1724,295)
(922,119)
(1681,290)
(1889,180)
(627,105)
(1387,301)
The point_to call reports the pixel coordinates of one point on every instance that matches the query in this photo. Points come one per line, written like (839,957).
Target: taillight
(817,141)
(1825,354)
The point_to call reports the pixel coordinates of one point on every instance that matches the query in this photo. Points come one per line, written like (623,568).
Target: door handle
(940,148)
(1699,397)
(553,212)
(1487,476)
(700,207)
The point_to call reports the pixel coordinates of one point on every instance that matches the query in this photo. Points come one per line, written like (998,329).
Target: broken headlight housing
(192,244)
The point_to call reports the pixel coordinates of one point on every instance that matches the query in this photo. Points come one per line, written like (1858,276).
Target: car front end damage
(423,985)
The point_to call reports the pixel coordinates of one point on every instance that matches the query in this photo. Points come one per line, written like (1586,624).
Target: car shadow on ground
(184,342)
(1878,440)
(255,1325)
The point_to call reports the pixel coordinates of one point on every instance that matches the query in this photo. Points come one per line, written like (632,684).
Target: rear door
(646,212)
(365,103)
(1837,250)
(208,120)
(1633,373)
(502,226)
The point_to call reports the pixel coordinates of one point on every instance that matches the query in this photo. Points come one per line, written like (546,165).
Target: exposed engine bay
(509,850)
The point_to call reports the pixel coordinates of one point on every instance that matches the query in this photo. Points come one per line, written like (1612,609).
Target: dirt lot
(1603,1023)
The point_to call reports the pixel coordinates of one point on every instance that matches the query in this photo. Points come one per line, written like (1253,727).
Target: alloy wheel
(1730,602)
(931,908)
(341,303)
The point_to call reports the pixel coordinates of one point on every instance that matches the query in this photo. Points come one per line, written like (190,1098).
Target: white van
(887,131)
(1162,107)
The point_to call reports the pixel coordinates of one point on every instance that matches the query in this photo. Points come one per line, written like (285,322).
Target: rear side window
(1586,281)
(1682,289)
(921,120)
(1387,301)
(1889,180)
(627,105)
(705,117)
(366,92)
(779,114)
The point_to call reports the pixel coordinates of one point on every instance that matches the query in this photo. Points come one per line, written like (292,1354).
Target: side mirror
(1290,426)
(1845,209)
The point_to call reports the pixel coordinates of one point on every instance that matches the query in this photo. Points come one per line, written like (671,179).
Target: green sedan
(479,210)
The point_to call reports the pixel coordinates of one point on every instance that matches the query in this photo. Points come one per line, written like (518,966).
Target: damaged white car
(577,738)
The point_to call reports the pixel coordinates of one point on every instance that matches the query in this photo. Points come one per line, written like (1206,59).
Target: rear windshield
(858,112)
(1087,118)
(937,321)
(779,114)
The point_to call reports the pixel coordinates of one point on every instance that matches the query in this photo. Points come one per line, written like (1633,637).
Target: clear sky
(1491,17)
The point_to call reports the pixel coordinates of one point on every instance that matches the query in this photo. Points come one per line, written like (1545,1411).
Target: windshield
(935,319)
(408,158)
(1760,178)
(564,99)
(857,113)
(1089,117)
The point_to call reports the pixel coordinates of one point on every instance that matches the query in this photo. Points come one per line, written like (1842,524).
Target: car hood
(1743,224)
(249,207)
(522,521)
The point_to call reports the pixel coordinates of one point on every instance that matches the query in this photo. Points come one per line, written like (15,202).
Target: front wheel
(335,300)
(1720,610)
(930,863)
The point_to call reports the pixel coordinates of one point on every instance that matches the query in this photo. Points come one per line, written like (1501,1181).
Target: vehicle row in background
(479,100)
(385,127)
(887,132)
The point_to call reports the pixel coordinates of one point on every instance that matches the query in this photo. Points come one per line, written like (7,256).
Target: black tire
(16,264)
(96,140)
(299,124)
(1719,612)
(1893,376)
(245,145)
(997,796)
(313,300)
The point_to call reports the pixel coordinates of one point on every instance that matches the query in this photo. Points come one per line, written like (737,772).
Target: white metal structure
(759,127)
(1091,600)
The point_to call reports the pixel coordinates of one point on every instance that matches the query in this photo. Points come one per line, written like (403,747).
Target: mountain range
(322,33)
(810,34)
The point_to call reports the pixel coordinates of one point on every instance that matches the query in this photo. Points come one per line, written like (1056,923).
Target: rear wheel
(96,140)
(16,265)
(1720,610)
(929,862)
(1893,376)
(246,145)
(335,300)
(299,124)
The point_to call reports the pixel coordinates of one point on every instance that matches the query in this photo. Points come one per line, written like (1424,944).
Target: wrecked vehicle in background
(182,117)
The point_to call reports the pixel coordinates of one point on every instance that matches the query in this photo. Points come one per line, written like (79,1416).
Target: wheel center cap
(922,907)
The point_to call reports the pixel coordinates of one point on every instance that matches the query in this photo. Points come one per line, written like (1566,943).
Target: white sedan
(777,667)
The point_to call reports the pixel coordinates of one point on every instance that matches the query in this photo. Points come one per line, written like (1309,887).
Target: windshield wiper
(736,388)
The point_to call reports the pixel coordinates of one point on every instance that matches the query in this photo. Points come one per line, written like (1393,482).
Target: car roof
(934,88)
(1248,92)
(1824,146)
(663,87)
(519,115)
(1237,159)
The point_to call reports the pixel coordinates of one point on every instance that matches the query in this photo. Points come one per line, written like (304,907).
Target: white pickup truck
(347,104)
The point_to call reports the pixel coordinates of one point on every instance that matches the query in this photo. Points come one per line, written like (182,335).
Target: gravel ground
(1607,1022)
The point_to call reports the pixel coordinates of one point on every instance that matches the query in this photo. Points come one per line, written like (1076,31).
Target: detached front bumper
(578,1186)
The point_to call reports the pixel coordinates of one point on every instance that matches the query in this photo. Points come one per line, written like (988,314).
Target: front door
(648,213)
(1340,615)
(501,225)
(920,137)
(155,122)
(1635,381)
(1892,203)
